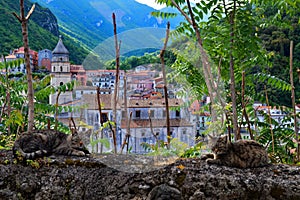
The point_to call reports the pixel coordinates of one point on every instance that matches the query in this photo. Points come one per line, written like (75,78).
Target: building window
(164,113)
(104,117)
(123,114)
(177,114)
(61,83)
(183,136)
(61,68)
(151,113)
(138,114)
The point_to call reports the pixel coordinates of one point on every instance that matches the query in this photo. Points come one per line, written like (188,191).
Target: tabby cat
(41,143)
(241,154)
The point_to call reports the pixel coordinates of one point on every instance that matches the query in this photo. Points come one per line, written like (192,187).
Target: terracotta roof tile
(91,101)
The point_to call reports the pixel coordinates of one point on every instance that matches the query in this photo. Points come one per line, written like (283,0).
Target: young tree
(24,22)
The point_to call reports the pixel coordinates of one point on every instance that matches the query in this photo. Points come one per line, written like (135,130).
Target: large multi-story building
(20,54)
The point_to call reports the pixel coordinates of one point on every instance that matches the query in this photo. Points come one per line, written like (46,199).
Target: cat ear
(43,137)
(225,138)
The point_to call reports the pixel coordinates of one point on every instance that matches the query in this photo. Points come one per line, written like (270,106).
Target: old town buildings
(142,88)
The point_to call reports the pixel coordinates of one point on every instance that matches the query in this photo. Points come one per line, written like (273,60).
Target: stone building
(60,72)
(143,130)
(44,59)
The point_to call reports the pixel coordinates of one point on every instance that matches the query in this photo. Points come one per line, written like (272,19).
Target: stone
(94,177)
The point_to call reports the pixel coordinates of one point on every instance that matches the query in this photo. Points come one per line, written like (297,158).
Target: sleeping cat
(241,154)
(41,143)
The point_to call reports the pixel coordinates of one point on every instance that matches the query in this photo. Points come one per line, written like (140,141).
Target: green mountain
(90,21)
(43,30)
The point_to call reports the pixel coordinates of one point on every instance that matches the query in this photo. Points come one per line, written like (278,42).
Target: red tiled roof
(92,102)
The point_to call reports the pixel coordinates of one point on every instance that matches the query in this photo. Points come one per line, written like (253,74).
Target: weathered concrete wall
(101,178)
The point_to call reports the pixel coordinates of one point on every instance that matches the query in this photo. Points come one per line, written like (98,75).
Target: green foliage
(272,81)
(283,138)
(104,141)
(193,152)
(13,113)
(257,41)
(176,148)
(127,63)
(108,125)
(33,163)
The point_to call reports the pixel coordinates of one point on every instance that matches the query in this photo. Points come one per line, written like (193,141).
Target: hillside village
(145,101)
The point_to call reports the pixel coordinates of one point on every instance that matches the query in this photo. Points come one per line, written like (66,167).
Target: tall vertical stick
(294,99)
(101,119)
(161,55)
(244,107)
(117,47)
(127,121)
(24,21)
(237,134)
(270,120)
(212,87)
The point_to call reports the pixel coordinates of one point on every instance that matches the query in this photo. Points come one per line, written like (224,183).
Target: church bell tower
(60,72)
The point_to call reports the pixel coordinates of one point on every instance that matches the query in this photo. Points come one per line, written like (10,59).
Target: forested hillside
(90,22)
(43,30)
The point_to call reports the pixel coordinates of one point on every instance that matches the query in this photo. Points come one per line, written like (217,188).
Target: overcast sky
(150,3)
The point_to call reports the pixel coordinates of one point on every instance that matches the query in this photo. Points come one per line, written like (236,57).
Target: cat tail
(20,154)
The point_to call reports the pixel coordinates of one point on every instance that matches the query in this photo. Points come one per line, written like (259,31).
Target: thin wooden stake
(161,55)
(294,99)
(244,107)
(117,47)
(270,121)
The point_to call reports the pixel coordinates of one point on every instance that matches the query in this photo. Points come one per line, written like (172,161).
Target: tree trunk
(30,94)
(212,87)
(236,133)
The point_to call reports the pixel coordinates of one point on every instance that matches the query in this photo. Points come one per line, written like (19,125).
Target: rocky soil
(137,177)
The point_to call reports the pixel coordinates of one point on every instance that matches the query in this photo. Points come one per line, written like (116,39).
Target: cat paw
(203,157)
(207,156)
(212,161)
(209,161)
(79,153)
